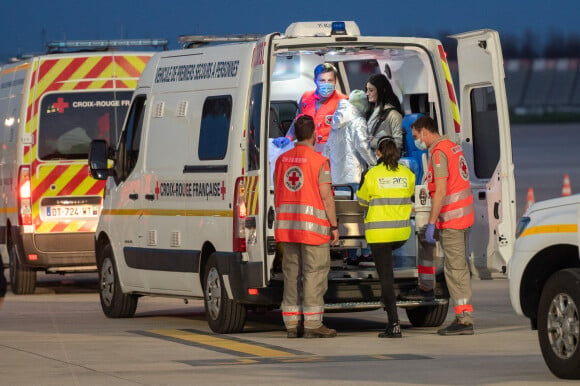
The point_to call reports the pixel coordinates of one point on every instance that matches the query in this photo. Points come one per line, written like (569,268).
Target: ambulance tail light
(239,233)
(24,196)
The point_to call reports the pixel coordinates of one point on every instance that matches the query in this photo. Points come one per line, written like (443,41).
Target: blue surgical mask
(325,89)
(420,145)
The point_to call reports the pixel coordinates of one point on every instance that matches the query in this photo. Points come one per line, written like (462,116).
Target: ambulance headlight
(338,28)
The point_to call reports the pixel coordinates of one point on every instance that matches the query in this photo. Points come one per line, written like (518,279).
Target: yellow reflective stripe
(388,224)
(302,209)
(363,202)
(167,212)
(553,228)
(390,201)
(451,198)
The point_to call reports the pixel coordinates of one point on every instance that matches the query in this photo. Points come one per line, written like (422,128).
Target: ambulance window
(485,131)
(215,127)
(70,120)
(254,128)
(358,72)
(130,142)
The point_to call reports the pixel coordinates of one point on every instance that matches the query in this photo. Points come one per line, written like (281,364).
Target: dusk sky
(26,24)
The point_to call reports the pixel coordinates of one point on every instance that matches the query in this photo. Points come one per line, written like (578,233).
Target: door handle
(133,196)
(150,197)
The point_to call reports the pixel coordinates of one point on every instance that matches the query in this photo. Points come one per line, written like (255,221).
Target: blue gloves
(430,234)
(281,142)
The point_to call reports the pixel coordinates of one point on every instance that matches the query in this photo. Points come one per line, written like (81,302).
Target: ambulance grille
(152,238)
(175,239)
(159,110)
(181,109)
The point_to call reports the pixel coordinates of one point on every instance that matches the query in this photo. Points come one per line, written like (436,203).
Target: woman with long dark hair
(386,191)
(384,114)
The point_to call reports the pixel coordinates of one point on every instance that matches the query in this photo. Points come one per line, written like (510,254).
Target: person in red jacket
(305,226)
(320,104)
(452,213)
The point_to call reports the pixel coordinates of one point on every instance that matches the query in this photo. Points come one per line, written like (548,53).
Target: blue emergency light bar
(104,44)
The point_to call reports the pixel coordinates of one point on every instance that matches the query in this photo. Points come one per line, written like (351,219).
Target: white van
(51,107)
(189,209)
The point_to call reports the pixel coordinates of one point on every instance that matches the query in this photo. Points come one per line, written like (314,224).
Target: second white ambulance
(188,209)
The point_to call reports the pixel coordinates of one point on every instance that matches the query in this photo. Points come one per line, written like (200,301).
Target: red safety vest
(457,211)
(323,116)
(300,213)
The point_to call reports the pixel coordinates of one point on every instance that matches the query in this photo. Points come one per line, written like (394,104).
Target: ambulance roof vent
(159,110)
(193,41)
(181,110)
(322,28)
(104,45)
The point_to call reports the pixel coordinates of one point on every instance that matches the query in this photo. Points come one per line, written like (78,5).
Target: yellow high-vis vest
(387,194)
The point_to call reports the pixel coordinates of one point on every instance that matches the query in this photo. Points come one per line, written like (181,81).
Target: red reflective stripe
(291,313)
(463,308)
(424,269)
(313,313)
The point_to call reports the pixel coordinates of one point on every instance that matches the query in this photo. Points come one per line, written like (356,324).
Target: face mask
(325,89)
(420,144)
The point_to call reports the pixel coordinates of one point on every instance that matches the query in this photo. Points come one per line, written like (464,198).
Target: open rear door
(486,141)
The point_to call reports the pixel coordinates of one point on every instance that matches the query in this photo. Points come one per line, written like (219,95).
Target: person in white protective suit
(348,144)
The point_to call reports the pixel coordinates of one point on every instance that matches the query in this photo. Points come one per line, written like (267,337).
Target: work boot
(320,332)
(417,294)
(393,330)
(296,332)
(457,328)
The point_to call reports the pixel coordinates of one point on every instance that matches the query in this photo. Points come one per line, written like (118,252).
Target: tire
(224,315)
(114,302)
(559,324)
(22,279)
(428,316)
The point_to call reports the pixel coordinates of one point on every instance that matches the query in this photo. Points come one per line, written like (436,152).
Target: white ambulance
(189,209)
(51,107)
(544,280)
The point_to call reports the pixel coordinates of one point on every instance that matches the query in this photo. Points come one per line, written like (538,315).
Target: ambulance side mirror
(98,156)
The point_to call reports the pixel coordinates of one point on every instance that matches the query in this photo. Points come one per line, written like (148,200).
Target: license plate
(72,211)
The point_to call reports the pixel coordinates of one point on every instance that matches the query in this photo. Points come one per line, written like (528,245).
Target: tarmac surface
(59,336)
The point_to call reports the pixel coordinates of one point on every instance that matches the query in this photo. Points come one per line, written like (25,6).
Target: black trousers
(383,257)
(3,283)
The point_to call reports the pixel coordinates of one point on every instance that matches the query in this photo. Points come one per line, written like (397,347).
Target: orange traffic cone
(566,189)
(531,199)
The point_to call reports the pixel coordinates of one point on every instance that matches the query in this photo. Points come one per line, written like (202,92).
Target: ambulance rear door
(486,142)
(259,221)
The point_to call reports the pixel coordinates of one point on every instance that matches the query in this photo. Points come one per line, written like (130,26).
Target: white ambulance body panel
(189,208)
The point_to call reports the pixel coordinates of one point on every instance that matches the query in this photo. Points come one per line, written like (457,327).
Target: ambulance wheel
(22,279)
(224,315)
(559,323)
(428,316)
(114,302)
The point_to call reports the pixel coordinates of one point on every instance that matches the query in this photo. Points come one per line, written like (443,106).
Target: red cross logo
(157,190)
(60,105)
(293,179)
(463,170)
(223,190)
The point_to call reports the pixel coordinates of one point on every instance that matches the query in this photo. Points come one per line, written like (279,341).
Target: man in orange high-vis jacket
(320,104)
(305,225)
(452,213)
